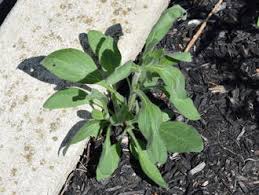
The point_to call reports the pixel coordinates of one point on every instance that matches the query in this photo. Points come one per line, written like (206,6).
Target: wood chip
(205,183)
(198,168)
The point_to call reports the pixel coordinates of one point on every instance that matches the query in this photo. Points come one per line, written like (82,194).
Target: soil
(224,84)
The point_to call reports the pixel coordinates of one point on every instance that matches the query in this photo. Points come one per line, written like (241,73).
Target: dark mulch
(225,57)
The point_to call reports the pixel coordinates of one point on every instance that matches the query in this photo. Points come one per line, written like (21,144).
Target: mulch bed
(224,85)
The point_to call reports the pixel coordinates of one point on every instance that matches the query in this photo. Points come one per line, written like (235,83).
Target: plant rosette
(134,113)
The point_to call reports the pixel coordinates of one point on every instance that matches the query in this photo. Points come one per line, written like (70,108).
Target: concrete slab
(29,135)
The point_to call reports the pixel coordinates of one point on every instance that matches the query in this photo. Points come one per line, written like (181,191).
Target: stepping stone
(30,136)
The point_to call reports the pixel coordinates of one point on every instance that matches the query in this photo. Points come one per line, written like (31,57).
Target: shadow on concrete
(71,133)
(5,8)
(32,66)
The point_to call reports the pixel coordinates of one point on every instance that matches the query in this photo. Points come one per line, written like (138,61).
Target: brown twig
(202,27)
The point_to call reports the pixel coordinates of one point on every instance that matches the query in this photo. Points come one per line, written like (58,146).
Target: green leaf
(109,54)
(180,137)
(181,56)
(123,114)
(106,49)
(150,169)
(175,86)
(66,98)
(149,120)
(98,98)
(159,56)
(136,148)
(95,39)
(133,148)
(163,26)
(97,114)
(69,64)
(94,77)
(165,117)
(120,73)
(90,129)
(174,81)
(156,149)
(153,56)
(109,159)
(150,116)
(151,81)
(166,60)
(257,23)
(146,164)
(109,88)
(186,107)
(168,114)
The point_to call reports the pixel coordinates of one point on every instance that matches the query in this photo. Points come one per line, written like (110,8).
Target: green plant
(134,114)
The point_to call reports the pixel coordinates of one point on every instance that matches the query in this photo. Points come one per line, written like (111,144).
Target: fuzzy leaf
(165,117)
(98,98)
(133,148)
(158,56)
(150,116)
(109,55)
(109,88)
(186,107)
(69,64)
(153,56)
(175,86)
(137,150)
(123,114)
(66,98)
(95,39)
(163,26)
(120,73)
(150,169)
(106,49)
(97,114)
(180,56)
(109,159)
(90,129)
(180,137)
(149,120)
(156,149)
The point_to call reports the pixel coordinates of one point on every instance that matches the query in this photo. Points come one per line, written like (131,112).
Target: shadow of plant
(65,143)
(32,66)
(5,8)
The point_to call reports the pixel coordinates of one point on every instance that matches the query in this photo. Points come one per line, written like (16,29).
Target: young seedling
(135,114)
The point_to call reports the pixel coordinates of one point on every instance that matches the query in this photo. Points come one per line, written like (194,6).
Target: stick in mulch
(202,27)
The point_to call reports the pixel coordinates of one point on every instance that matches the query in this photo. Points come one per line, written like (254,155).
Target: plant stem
(131,102)
(114,102)
(128,81)
(132,135)
(135,80)
(134,86)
